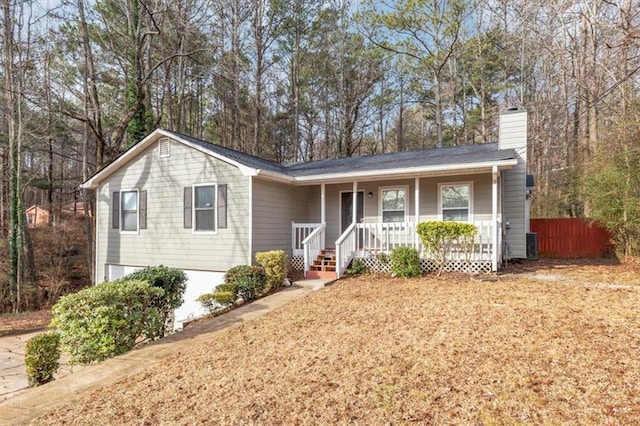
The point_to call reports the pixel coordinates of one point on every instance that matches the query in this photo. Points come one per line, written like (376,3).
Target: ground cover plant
(447,350)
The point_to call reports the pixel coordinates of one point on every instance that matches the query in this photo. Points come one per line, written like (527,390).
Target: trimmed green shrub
(217,301)
(275,266)
(357,267)
(108,319)
(251,286)
(242,281)
(42,358)
(234,274)
(229,288)
(382,258)
(249,281)
(172,281)
(438,236)
(405,262)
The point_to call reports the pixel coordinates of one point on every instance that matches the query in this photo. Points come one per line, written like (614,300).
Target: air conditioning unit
(532,246)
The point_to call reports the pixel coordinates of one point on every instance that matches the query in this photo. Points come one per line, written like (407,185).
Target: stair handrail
(312,245)
(345,248)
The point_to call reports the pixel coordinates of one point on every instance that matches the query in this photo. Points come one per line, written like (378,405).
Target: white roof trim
(479,167)
(246,170)
(449,169)
(95,180)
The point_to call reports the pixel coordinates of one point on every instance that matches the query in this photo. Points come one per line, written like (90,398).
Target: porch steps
(324,266)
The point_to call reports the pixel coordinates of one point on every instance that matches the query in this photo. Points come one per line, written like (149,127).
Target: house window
(205,207)
(129,210)
(393,204)
(455,202)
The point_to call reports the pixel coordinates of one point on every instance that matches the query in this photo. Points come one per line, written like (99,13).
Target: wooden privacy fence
(571,237)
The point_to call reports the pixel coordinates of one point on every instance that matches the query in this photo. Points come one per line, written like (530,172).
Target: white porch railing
(345,249)
(313,245)
(299,232)
(369,239)
(383,237)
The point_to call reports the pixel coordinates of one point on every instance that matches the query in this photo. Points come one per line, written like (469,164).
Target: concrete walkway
(13,376)
(25,405)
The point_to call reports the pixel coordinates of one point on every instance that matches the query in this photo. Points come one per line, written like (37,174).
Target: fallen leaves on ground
(601,271)
(370,350)
(24,322)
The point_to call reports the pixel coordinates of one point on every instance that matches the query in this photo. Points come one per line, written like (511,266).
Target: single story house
(190,204)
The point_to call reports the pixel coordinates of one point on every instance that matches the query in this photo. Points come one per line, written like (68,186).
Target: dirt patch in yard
(448,350)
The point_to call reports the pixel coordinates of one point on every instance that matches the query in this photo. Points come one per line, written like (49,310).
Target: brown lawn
(370,350)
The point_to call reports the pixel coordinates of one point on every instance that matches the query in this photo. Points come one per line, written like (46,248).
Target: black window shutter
(143,210)
(222,205)
(187,207)
(115,210)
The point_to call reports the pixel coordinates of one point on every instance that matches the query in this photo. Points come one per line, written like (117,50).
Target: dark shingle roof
(407,159)
(240,157)
(397,160)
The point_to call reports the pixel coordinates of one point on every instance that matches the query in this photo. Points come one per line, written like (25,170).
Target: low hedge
(248,281)
(172,281)
(275,266)
(405,262)
(438,236)
(108,319)
(42,358)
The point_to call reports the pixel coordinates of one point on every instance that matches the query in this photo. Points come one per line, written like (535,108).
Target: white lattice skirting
(297,263)
(383,266)
(375,264)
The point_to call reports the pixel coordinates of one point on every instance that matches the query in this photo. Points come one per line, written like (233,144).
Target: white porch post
(494,218)
(354,213)
(323,209)
(416,200)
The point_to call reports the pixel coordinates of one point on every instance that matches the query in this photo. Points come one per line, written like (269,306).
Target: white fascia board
(95,180)
(245,170)
(448,169)
(274,176)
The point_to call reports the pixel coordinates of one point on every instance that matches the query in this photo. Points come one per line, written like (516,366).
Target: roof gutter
(470,168)
(274,176)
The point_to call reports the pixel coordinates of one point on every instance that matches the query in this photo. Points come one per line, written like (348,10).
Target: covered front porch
(386,216)
(372,243)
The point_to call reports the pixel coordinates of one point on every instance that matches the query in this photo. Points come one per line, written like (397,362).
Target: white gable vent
(164,148)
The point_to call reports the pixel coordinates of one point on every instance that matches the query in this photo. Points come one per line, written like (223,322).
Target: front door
(346,204)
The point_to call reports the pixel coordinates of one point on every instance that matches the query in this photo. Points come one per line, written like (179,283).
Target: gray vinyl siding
(275,206)
(482,203)
(482,193)
(166,241)
(513,134)
(314,213)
